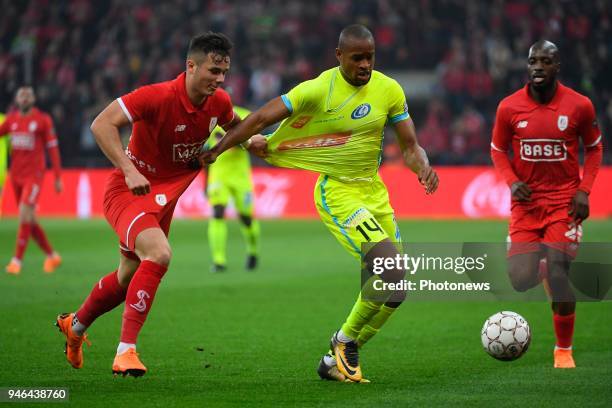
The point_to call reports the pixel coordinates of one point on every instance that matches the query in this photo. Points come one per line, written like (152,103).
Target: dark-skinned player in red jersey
(171,121)
(542,124)
(31,131)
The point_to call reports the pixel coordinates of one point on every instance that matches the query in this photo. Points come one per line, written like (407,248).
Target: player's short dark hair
(354,31)
(546,45)
(206,43)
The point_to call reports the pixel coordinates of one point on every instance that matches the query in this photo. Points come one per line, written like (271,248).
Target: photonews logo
(361,111)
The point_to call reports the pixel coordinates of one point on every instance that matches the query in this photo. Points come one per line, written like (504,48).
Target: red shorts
(532,226)
(129,214)
(27,191)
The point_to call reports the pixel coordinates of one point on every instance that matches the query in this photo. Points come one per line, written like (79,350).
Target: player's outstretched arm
(272,112)
(105,129)
(415,156)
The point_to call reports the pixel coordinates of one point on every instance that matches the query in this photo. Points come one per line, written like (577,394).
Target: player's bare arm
(232,123)
(272,112)
(105,129)
(415,156)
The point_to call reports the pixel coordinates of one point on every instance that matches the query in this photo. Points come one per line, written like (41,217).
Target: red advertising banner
(464,192)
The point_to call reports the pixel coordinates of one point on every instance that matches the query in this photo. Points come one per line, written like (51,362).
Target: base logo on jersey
(361,111)
(141,305)
(22,141)
(544,150)
(184,152)
(325,140)
(161,199)
(562,122)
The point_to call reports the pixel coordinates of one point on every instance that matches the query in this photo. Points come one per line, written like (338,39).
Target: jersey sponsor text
(545,150)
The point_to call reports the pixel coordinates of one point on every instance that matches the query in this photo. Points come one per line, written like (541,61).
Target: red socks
(105,296)
(23,236)
(564,329)
(139,299)
(41,239)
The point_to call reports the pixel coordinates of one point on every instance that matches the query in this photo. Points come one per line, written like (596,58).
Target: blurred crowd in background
(80,54)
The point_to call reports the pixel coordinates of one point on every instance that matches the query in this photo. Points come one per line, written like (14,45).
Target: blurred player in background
(31,132)
(171,122)
(230,177)
(334,125)
(4,149)
(542,124)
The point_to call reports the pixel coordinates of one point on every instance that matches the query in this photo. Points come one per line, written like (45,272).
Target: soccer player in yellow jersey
(230,177)
(334,125)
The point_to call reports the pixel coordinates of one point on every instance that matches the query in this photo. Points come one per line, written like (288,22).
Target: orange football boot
(128,363)
(52,262)
(564,359)
(14,267)
(74,343)
(347,358)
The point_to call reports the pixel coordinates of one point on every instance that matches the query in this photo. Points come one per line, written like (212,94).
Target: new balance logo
(180,128)
(141,305)
(522,124)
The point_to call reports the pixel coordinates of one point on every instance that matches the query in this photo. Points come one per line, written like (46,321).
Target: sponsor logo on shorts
(361,111)
(184,152)
(180,128)
(543,150)
(301,121)
(562,122)
(141,305)
(522,124)
(161,199)
(574,232)
(356,218)
(326,140)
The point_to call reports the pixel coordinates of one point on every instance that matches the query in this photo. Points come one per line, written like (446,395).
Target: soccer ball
(506,336)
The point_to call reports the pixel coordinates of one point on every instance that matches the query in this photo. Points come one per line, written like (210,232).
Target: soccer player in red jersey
(542,124)
(171,121)
(31,131)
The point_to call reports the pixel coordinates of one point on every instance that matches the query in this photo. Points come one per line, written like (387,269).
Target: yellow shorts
(240,189)
(356,213)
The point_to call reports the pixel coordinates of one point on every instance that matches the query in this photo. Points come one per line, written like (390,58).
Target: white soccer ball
(506,336)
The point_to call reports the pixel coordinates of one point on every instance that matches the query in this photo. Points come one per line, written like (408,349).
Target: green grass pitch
(241,338)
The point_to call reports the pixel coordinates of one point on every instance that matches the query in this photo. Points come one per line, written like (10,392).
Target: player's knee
(523,272)
(396,299)
(558,278)
(161,254)
(219,211)
(26,213)
(246,220)
(521,280)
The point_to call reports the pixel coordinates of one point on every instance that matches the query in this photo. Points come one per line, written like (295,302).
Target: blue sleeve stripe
(287,103)
(399,118)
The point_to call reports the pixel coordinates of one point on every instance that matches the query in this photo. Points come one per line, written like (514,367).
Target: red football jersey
(29,134)
(168,130)
(544,140)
